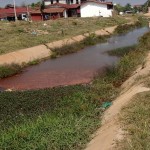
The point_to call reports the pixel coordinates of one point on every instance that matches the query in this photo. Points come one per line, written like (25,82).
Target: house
(49,2)
(36,15)
(7,13)
(96,8)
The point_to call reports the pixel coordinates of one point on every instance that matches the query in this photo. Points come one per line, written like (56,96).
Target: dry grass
(136,119)
(15,36)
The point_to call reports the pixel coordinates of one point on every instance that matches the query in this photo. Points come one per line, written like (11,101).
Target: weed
(135,119)
(122,51)
(34,62)
(9,70)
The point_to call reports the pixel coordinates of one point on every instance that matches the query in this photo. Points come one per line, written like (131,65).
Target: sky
(18,2)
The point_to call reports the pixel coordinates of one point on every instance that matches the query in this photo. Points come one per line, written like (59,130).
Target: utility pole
(15,11)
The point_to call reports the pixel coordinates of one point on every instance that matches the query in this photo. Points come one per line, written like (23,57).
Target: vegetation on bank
(63,118)
(122,51)
(124,28)
(9,70)
(92,39)
(19,35)
(135,119)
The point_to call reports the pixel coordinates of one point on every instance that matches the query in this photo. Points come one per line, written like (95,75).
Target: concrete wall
(91,9)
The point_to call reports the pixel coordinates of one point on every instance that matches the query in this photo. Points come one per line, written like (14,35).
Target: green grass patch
(9,70)
(63,118)
(135,119)
(34,62)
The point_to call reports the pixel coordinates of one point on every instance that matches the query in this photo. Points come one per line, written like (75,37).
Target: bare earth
(43,51)
(110,132)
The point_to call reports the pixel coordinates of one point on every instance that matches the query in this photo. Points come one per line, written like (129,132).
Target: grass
(63,118)
(9,70)
(12,69)
(15,36)
(92,39)
(54,119)
(122,51)
(124,28)
(136,120)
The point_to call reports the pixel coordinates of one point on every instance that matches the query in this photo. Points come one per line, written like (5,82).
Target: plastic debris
(105,105)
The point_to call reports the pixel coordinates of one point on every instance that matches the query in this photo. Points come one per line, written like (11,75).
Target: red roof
(54,10)
(67,6)
(5,12)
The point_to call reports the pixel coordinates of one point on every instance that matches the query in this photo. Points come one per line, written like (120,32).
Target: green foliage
(61,118)
(127,27)
(122,51)
(146,5)
(9,70)
(119,8)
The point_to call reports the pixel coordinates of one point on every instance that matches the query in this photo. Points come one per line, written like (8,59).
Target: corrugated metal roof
(54,10)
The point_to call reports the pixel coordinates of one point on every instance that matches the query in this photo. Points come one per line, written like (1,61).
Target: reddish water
(71,69)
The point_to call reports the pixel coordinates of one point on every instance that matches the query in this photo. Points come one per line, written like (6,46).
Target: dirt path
(43,51)
(111,131)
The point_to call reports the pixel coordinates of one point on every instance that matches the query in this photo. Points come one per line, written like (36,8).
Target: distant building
(7,13)
(49,2)
(96,8)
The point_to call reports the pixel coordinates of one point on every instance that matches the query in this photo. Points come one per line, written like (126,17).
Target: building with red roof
(8,13)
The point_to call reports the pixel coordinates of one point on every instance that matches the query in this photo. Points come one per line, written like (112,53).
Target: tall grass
(124,28)
(9,70)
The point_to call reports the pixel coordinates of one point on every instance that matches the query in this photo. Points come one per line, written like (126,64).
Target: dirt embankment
(110,132)
(43,51)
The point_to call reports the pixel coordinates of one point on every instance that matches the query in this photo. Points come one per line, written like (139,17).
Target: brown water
(74,68)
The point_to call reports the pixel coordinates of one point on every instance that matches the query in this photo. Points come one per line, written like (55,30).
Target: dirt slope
(110,131)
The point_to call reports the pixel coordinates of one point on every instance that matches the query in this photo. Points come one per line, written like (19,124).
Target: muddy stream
(74,68)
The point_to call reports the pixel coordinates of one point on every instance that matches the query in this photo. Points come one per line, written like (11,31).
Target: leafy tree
(128,7)
(119,8)
(146,5)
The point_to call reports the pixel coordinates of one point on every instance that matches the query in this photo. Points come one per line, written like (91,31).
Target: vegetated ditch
(64,117)
(92,39)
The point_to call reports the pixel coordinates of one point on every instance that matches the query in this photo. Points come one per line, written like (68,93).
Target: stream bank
(72,69)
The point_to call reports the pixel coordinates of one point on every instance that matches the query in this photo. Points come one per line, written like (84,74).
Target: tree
(128,7)
(146,5)
(118,8)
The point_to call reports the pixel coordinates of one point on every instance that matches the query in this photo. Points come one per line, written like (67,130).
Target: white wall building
(96,8)
(49,2)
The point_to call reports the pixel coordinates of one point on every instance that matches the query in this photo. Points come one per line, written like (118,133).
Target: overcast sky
(123,2)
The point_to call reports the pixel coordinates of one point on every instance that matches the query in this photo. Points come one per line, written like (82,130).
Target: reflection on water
(74,68)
